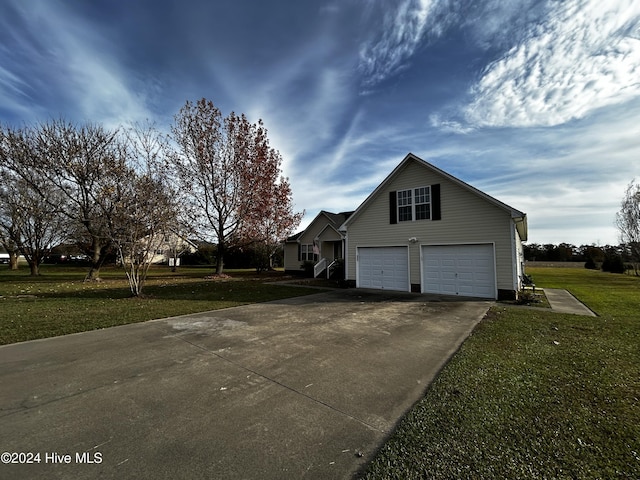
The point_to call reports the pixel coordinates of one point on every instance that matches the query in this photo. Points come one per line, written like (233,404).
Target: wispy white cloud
(83,72)
(448,125)
(584,55)
(401,33)
(576,182)
(498,24)
(13,92)
(546,62)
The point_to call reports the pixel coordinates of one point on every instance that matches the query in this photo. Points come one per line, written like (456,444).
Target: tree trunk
(93,275)
(13,261)
(96,262)
(220,257)
(34,267)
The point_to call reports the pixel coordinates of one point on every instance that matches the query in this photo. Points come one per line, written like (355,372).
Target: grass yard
(59,302)
(533,394)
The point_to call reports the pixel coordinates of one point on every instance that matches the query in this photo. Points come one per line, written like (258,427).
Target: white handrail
(329,267)
(319,267)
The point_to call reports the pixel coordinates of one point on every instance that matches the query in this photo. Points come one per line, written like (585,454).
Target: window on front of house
(306,253)
(414,204)
(405,209)
(422,197)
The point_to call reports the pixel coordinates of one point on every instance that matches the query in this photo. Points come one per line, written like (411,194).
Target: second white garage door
(466,270)
(383,267)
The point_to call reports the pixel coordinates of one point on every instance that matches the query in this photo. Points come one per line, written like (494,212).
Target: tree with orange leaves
(231,179)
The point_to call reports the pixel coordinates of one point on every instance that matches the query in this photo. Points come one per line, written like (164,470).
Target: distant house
(424,230)
(168,248)
(321,244)
(158,249)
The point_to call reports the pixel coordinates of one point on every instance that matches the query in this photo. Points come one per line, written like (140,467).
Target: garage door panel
(465,290)
(467,270)
(467,263)
(383,268)
(448,276)
(466,277)
(483,277)
(447,288)
(432,277)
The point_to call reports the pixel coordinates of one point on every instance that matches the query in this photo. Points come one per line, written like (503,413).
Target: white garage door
(383,267)
(467,270)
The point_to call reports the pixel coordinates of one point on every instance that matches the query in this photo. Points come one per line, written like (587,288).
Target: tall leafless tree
(628,222)
(30,217)
(140,226)
(12,249)
(147,207)
(86,164)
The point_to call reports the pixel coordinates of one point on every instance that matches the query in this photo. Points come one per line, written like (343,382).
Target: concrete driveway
(301,388)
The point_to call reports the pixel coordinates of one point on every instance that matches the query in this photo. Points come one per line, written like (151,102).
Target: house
(167,248)
(320,244)
(164,248)
(424,230)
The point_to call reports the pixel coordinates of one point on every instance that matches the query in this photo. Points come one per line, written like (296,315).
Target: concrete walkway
(563,302)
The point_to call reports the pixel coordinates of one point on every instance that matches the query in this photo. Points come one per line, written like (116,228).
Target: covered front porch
(319,249)
(330,257)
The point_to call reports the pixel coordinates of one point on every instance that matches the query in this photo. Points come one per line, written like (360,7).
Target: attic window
(421,203)
(414,203)
(422,198)
(405,211)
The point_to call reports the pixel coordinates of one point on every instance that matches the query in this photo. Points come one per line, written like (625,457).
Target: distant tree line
(121,192)
(609,258)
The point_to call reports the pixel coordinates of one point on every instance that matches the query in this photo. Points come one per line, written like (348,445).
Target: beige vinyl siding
(291,261)
(466,218)
(329,234)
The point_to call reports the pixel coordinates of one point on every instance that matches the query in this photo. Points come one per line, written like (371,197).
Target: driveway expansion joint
(285,386)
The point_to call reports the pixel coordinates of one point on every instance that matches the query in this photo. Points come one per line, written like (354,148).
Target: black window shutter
(393,211)
(435,202)
(299,252)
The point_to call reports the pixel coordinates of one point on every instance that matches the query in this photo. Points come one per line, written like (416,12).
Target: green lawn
(59,302)
(533,394)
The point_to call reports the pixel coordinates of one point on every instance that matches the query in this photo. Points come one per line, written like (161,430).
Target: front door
(337,250)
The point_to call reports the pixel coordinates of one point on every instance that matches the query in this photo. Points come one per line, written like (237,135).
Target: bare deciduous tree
(206,174)
(30,218)
(12,249)
(146,205)
(628,222)
(140,226)
(85,164)
(33,227)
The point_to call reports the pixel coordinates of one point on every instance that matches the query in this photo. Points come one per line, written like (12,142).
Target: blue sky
(537,103)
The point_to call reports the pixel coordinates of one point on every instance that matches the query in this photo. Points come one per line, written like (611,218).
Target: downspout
(514,258)
(516,261)
(345,254)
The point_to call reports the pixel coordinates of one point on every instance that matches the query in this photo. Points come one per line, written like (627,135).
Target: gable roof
(334,221)
(337,219)
(519,217)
